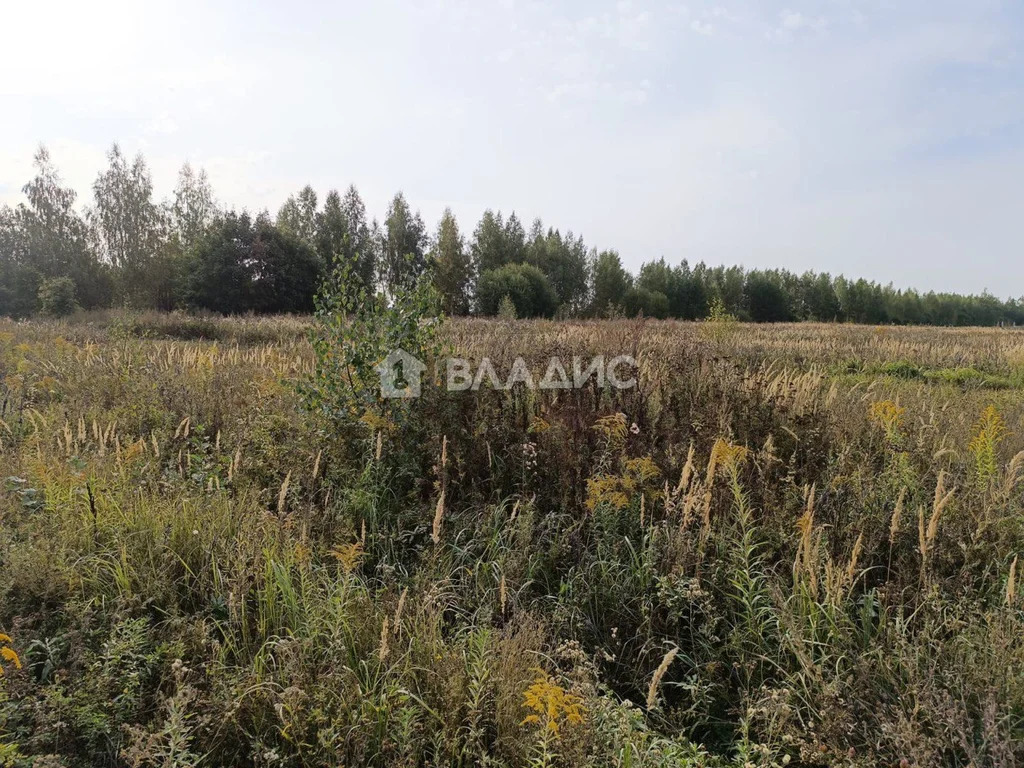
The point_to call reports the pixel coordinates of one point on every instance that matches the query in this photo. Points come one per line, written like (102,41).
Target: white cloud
(791,22)
(162,124)
(702,27)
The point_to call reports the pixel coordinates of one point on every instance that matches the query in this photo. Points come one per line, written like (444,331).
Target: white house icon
(400,374)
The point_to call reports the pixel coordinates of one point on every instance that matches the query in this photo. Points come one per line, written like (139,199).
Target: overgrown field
(789,545)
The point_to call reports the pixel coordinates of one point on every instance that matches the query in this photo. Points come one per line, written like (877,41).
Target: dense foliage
(524,285)
(240,265)
(57,297)
(188,253)
(789,545)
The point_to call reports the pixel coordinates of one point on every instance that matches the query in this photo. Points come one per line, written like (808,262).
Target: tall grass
(779,549)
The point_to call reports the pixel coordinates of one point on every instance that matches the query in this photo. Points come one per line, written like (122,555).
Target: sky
(881,139)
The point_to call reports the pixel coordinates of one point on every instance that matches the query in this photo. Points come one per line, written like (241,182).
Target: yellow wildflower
(551,705)
(349,555)
(989,432)
(727,456)
(7,653)
(888,415)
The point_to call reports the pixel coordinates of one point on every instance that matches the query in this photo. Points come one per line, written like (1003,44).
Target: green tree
(193,208)
(515,240)
(298,216)
(642,301)
(404,243)
(611,282)
(18,281)
(729,285)
(331,229)
(343,236)
(506,308)
(353,332)
(496,242)
(189,214)
(361,243)
(57,297)
(862,302)
(285,271)
(218,277)
(129,224)
(692,300)
(818,299)
(50,239)
(527,287)
(452,267)
(767,302)
(246,266)
(564,261)
(659,277)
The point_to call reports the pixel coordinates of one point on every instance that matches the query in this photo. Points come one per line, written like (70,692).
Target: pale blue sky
(882,139)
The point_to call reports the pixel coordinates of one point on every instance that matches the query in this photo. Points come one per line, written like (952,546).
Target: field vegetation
(788,545)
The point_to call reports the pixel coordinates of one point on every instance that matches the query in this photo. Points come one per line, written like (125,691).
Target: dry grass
(197,570)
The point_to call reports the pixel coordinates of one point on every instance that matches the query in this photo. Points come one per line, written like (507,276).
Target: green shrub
(57,297)
(524,285)
(969,377)
(901,369)
(648,303)
(353,332)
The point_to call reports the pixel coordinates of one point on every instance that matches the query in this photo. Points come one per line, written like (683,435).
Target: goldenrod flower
(989,432)
(726,456)
(8,654)
(552,706)
(888,415)
(349,555)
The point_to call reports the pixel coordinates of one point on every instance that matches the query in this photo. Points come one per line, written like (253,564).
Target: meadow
(793,544)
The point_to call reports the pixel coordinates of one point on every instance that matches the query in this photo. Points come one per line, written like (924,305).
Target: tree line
(127,249)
